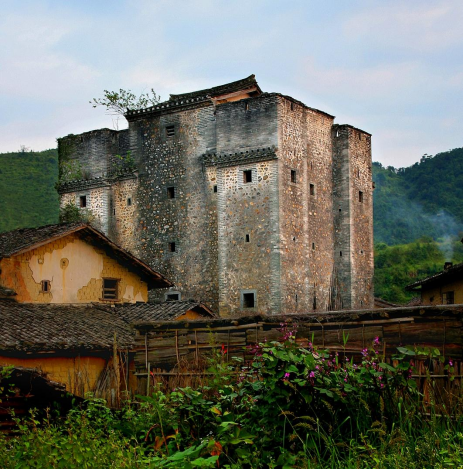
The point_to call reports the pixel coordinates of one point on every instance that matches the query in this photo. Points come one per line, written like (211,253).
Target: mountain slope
(27,189)
(422,200)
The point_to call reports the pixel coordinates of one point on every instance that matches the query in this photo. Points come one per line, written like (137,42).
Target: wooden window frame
(107,290)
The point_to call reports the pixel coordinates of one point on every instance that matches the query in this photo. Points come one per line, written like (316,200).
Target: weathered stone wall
(188,218)
(306,221)
(98,203)
(93,150)
(249,257)
(353,215)
(123,212)
(362,231)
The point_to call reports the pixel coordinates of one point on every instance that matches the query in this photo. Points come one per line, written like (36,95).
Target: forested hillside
(27,189)
(400,265)
(422,200)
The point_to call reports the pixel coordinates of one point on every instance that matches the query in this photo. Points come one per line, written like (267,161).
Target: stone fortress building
(248,201)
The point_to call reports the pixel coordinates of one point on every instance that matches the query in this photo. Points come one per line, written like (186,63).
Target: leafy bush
(292,406)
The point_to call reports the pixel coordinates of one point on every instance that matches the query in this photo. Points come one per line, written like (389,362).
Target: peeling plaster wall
(77,373)
(75,270)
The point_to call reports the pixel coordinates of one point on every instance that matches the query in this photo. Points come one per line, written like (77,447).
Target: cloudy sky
(392,68)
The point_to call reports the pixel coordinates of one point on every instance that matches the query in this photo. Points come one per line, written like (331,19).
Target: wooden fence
(176,351)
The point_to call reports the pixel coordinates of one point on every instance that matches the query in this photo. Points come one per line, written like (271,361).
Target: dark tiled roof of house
(446,275)
(14,242)
(197,98)
(232,87)
(166,311)
(46,327)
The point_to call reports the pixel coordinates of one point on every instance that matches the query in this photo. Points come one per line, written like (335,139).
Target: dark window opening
(293,176)
(311,189)
(172,297)
(314,246)
(293,239)
(361,197)
(247,176)
(114,211)
(110,289)
(46,286)
(248,300)
(247,238)
(341,253)
(314,303)
(358,172)
(171,191)
(360,136)
(361,303)
(291,107)
(129,201)
(215,189)
(83,201)
(362,252)
(296,299)
(172,247)
(448,298)
(339,209)
(170,131)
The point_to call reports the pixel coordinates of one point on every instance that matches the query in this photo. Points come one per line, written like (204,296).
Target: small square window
(110,289)
(45,286)
(83,201)
(129,201)
(170,131)
(312,190)
(171,192)
(361,197)
(248,300)
(215,189)
(172,296)
(172,246)
(247,176)
(293,176)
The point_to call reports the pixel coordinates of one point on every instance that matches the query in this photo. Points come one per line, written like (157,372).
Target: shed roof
(25,239)
(449,274)
(166,311)
(49,327)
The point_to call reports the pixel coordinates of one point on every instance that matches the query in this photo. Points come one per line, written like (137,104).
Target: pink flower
(286,375)
(450,363)
(376,341)
(311,374)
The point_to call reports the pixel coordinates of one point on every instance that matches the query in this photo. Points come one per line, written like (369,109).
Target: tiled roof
(167,311)
(15,241)
(46,327)
(450,273)
(25,239)
(232,87)
(197,98)
(243,157)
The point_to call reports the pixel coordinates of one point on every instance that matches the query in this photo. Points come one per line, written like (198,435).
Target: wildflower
(364,352)
(376,341)
(286,376)
(450,363)
(311,374)
(381,385)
